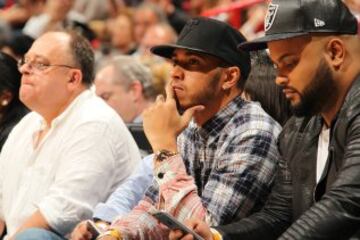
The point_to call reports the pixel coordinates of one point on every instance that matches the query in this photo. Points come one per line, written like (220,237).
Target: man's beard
(319,95)
(204,96)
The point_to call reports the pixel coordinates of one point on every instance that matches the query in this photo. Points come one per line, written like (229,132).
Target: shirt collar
(138,119)
(214,125)
(80,98)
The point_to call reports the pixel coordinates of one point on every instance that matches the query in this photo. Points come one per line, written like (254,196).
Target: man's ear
(232,77)
(137,90)
(335,52)
(76,79)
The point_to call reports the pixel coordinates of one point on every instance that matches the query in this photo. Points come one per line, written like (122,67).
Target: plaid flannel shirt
(225,172)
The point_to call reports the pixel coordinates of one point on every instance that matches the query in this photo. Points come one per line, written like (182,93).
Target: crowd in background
(125,27)
(117,28)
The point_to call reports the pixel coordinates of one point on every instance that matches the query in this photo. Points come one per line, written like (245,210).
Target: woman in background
(260,87)
(11,109)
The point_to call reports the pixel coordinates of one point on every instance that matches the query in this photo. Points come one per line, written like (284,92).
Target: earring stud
(4,102)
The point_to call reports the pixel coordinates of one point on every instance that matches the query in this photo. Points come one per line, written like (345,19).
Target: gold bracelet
(102,225)
(215,234)
(111,232)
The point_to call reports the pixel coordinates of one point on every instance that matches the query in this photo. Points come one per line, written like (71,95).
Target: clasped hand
(163,123)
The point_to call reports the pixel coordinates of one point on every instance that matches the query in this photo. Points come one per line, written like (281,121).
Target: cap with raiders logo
(291,18)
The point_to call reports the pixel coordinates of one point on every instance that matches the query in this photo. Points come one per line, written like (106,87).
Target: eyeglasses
(39,66)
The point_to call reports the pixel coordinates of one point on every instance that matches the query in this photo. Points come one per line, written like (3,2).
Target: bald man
(71,151)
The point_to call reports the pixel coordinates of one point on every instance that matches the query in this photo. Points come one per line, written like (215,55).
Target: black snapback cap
(292,18)
(212,37)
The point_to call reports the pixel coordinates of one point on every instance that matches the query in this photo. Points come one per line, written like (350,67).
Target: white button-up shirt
(85,155)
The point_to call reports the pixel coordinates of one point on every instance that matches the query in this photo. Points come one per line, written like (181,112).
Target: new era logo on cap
(318,23)
(189,27)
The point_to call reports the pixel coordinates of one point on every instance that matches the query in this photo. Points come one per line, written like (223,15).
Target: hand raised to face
(163,123)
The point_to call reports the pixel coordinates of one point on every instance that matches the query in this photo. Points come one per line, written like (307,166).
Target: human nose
(281,80)
(24,68)
(177,73)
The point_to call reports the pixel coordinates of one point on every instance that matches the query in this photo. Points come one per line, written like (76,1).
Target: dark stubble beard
(319,95)
(205,95)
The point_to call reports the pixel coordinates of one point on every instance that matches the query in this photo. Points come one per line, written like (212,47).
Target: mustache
(287,88)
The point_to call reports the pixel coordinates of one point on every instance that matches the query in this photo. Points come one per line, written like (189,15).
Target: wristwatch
(163,154)
(215,234)
(102,224)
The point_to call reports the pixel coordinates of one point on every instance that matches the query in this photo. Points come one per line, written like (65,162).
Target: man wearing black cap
(316,195)
(222,165)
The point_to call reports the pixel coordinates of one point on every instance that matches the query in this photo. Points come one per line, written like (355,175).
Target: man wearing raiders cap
(316,49)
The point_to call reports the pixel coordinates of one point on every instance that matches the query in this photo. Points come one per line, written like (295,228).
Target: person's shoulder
(251,110)
(351,105)
(26,126)
(251,116)
(94,109)
(298,127)
(28,120)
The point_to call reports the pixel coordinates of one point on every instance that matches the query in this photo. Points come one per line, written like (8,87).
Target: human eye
(23,61)
(175,62)
(193,62)
(287,65)
(40,65)
(290,63)
(105,96)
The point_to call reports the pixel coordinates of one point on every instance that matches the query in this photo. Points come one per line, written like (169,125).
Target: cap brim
(261,43)
(166,51)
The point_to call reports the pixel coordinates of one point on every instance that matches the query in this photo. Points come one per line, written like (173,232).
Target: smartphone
(173,223)
(93,229)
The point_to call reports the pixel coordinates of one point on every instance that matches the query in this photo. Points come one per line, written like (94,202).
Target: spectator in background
(197,7)
(176,16)
(56,15)
(119,38)
(157,34)
(17,15)
(11,108)
(126,85)
(254,25)
(92,9)
(122,34)
(161,33)
(261,87)
(354,6)
(146,15)
(67,155)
